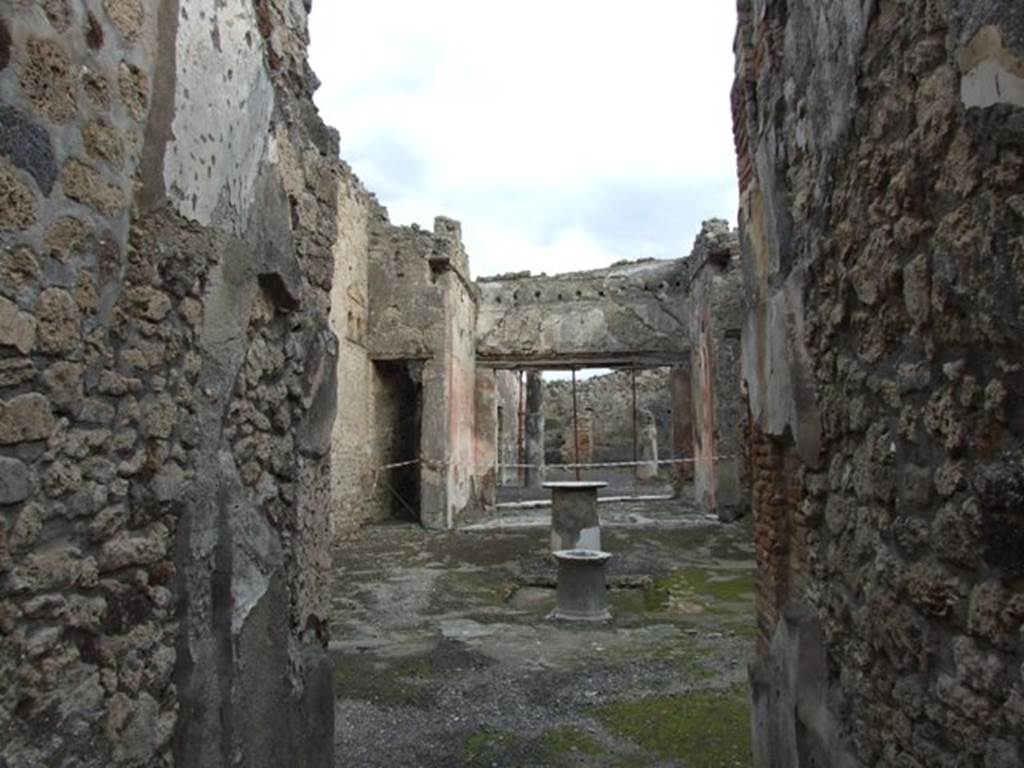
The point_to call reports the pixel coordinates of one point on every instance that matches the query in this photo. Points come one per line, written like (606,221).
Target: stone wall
(167,385)
(357,448)
(611,396)
(681,385)
(394,440)
(423,307)
(630,312)
(405,311)
(720,429)
(685,314)
(511,400)
(881,163)
(461,485)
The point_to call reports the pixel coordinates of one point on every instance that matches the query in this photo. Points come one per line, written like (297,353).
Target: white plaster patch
(576,329)
(223,101)
(991,83)
(991,74)
(587,538)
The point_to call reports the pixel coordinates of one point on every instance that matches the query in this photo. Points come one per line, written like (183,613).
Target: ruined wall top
(717,242)
(630,312)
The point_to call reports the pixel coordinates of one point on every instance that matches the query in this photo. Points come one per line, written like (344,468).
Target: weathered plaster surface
(223,102)
(991,73)
(610,395)
(683,312)
(720,429)
(879,154)
(422,307)
(165,386)
(461,457)
(634,311)
(356,451)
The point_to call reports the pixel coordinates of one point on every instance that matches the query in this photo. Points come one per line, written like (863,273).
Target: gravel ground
(444,655)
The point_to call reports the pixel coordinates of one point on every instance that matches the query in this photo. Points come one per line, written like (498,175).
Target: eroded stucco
(223,101)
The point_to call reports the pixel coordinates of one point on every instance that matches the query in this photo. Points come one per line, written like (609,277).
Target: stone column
(534,429)
(487,435)
(574,521)
(682,422)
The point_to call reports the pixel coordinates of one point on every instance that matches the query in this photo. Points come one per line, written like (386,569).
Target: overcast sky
(564,134)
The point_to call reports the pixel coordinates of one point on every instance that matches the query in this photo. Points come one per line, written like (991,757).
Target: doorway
(398,416)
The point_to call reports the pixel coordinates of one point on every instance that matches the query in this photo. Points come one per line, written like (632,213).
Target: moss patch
(364,680)
(402,681)
(695,591)
(569,742)
(743,626)
(484,747)
(704,730)
(469,589)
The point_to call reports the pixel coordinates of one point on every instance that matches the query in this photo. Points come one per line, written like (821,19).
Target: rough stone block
(53,571)
(169,482)
(19,268)
(15,481)
(16,371)
(19,208)
(133,86)
(17,328)
(126,15)
(86,185)
(161,416)
(131,548)
(133,727)
(25,418)
(59,321)
(64,380)
(58,13)
(27,527)
(103,142)
(46,80)
(27,146)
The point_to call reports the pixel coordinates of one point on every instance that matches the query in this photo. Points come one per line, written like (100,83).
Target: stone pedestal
(582,594)
(647,469)
(574,523)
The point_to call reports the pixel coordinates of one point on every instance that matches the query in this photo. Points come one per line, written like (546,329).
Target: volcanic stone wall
(881,165)
(423,307)
(167,385)
(610,397)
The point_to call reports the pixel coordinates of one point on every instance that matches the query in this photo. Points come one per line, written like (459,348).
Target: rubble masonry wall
(881,163)
(167,385)
(632,311)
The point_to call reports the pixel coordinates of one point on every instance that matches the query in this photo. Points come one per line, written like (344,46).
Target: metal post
(575,424)
(636,437)
(521,437)
(499,470)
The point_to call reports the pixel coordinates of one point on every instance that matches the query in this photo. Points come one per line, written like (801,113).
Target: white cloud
(501,249)
(536,123)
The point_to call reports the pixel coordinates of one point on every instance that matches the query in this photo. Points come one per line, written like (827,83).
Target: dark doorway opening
(398,417)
